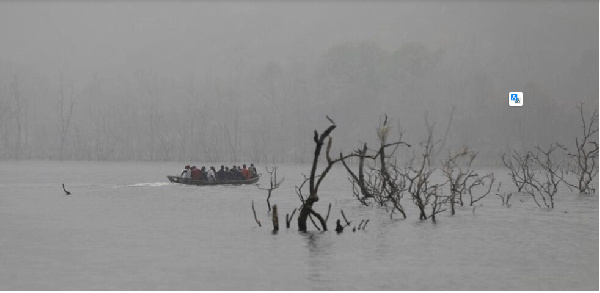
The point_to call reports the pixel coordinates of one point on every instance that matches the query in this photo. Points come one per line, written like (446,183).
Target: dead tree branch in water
(254,212)
(419,185)
(505,197)
(586,156)
(314,223)
(520,174)
(275,219)
(436,154)
(299,188)
(462,179)
(383,183)
(328,211)
(274,184)
(481,181)
(456,176)
(314,180)
(546,187)
(344,216)
(359,180)
(338,227)
(360,224)
(365,225)
(437,205)
(288,218)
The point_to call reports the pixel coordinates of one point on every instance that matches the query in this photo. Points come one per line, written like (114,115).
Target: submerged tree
(463,179)
(314,180)
(274,184)
(388,182)
(384,182)
(521,174)
(586,155)
(419,183)
(545,187)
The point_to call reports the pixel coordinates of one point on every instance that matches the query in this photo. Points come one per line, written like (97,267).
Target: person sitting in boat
(211,175)
(195,173)
(231,173)
(245,172)
(227,173)
(221,174)
(203,173)
(191,171)
(186,172)
(235,175)
(252,171)
(240,174)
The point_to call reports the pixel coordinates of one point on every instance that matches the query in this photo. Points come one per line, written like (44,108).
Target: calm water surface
(126,228)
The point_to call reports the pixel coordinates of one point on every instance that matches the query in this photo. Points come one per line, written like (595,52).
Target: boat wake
(150,184)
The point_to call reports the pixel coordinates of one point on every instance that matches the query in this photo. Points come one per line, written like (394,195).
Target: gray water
(126,228)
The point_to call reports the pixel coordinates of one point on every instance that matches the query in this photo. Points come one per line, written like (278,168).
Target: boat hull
(177,179)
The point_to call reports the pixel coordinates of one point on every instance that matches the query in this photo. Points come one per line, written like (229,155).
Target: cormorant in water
(68,193)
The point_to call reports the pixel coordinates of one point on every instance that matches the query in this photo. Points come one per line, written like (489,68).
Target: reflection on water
(318,245)
(125,227)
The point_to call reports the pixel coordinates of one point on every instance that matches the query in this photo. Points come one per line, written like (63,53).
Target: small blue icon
(515,97)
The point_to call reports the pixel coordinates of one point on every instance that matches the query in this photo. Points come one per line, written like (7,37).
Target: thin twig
(344,216)
(328,210)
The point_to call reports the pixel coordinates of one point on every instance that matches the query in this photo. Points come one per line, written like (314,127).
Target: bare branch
(254,212)
(344,216)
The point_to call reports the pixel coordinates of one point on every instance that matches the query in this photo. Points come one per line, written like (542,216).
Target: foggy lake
(435,99)
(125,227)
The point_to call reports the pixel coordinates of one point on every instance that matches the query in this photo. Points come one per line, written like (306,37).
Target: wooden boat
(178,179)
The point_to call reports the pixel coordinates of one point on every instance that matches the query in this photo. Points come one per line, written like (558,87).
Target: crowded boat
(225,175)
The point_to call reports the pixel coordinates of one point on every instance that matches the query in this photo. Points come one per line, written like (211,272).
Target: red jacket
(245,173)
(196,174)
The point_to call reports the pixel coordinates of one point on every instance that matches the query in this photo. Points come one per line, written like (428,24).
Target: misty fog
(250,81)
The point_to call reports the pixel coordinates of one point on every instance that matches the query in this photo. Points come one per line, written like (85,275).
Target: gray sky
(181,37)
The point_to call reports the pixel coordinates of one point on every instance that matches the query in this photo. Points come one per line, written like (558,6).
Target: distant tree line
(261,114)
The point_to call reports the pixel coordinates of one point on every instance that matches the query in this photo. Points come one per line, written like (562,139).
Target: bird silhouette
(68,193)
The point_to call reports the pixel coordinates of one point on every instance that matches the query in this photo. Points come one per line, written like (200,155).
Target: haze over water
(109,97)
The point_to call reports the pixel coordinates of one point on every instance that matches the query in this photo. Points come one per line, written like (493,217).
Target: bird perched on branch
(382,131)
